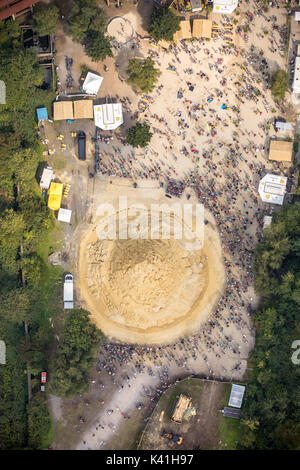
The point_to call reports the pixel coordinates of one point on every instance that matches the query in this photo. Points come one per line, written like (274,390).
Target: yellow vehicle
(173,437)
(55,196)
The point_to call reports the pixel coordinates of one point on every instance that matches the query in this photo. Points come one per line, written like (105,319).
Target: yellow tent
(55,196)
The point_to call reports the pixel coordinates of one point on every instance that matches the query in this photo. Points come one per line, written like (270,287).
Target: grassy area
(51,291)
(187,387)
(229,430)
(228,427)
(51,242)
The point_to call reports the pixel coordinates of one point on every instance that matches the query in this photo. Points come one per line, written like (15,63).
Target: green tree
(12,227)
(163,24)
(45,19)
(139,135)
(84,17)
(98,46)
(39,424)
(22,74)
(143,75)
(272,405)
(279,85)
(81,339)
(9,34)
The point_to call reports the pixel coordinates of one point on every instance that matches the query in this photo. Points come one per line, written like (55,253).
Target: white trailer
(68,292)
(46,178)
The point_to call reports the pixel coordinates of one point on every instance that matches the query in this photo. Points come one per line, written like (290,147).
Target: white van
(68,292)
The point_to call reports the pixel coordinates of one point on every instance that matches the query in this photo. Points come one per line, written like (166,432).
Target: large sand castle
(150,291)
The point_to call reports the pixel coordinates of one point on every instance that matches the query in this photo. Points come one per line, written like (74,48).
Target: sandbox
(150,291)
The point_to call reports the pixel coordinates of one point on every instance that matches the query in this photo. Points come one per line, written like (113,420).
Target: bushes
(39,424)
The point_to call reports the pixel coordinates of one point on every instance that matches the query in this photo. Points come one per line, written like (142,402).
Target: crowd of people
(227,158)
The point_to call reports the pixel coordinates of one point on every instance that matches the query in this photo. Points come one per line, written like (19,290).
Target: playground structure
(183,409)
(172,437)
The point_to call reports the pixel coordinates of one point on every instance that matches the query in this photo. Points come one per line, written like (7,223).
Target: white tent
(47,177)
(272,189)
(283,126)
(92,83)
(108,116)
(296,80)
(225,6)
(267,221)
(64,215)
(297,16)
(236,396)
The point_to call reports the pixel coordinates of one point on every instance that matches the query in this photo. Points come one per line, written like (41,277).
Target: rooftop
(281,151)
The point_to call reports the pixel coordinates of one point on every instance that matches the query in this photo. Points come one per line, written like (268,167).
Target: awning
(64,215)
(83,109)
(55,196)
(108,116)
(62,110)
(42,114)
(92,83)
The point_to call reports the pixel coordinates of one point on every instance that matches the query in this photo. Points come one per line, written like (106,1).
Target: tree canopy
(76,354)
(98,46)
(163,24)
(279,85)
(271,414)
(45,19)
(39,424)
(24,222)
(143,75)
(87,26)
(139,135)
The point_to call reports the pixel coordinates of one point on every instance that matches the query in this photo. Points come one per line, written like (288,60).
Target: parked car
(81,145)
(43,377)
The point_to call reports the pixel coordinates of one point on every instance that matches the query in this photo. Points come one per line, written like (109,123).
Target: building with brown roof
(62,110)
(83,109)
(202,29)
(184,32)
(15,7)
(182,405)
(281,151)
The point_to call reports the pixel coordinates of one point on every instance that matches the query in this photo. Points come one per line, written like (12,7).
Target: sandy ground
(149,291)
(221,154)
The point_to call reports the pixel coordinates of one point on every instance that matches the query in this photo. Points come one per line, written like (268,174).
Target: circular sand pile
(120,29)
(150,291)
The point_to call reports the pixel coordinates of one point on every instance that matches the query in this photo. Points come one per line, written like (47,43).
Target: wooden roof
(182,405)
(281,151)
(13,7)
(202,28)
(83,109)
(184,32)
(62,110)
